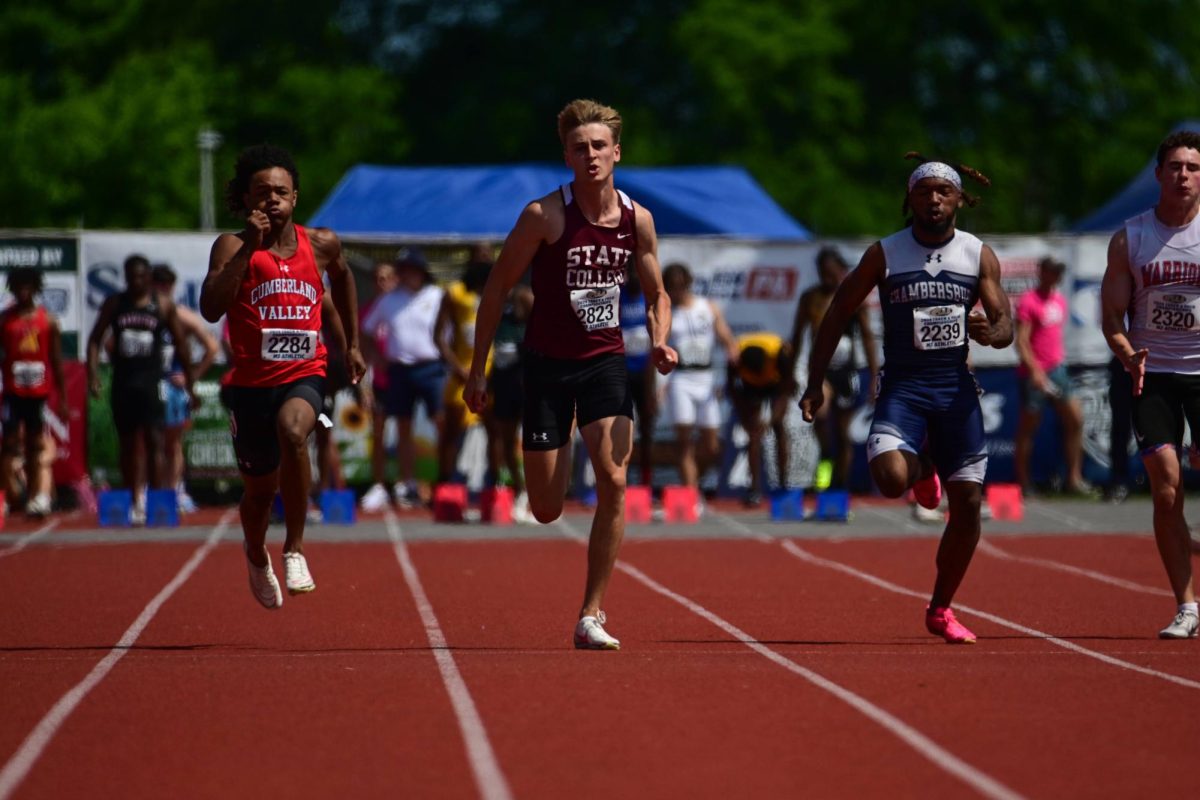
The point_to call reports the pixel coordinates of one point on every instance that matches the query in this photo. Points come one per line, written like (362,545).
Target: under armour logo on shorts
(541,437)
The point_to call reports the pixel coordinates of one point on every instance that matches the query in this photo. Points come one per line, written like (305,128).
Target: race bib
(1169,310)
(695,354)
(505,355)
(939,327)
(596,309)
(281,344)
(136,343)
(637,341)
(28,374)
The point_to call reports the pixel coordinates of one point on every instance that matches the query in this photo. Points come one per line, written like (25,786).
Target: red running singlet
(577,285)
(275,320)
(26,343)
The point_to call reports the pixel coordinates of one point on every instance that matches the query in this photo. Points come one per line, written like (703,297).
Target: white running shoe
(590,634)
(38,506)
(931,515)
(137,514)
(376,499)
(296,575)
(407,495)
(521,512)
(184,502)
(1184,626)
(263,584)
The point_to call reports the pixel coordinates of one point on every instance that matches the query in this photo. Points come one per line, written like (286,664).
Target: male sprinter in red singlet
(269,280)
(32,347)
(579,240)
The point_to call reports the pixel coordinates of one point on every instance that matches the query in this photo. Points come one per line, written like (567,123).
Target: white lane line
(994,551)
(909,525)
(488,775)
(1060,516)
(919,742)
(24,541)
(795,550)
(36,742)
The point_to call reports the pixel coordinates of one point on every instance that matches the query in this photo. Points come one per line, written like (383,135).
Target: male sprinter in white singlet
(1153,276)
(929,276)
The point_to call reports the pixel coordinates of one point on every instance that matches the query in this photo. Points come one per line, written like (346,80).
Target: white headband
(935,169)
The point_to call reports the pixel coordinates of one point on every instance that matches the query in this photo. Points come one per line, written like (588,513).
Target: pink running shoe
(941,622)
(928,491)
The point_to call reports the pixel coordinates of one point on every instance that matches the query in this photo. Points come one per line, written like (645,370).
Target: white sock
(1190,608)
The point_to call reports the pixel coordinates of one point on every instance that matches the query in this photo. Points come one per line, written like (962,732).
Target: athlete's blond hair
(585,112)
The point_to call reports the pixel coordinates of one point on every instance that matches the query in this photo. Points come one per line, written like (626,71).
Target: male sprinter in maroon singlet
(268,279)
(580,240)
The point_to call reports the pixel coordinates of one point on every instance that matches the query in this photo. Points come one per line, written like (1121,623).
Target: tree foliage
(1058,102)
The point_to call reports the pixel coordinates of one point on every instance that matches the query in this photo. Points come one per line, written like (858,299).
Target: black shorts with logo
(506,391)
(137,405)
(1159,411)
(15,411)
(559,390)
(253,419)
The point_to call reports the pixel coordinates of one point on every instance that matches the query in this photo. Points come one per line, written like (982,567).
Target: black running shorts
(253,413)
(137,405)
(1159,411)
(17,410)
(559,390)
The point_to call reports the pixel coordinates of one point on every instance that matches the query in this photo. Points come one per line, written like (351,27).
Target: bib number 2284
(288,345)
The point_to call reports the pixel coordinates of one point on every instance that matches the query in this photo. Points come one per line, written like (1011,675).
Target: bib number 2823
(596,309)
(288,345)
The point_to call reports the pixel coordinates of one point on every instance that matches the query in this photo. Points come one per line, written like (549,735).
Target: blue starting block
(337,506)
(113,508)
(787,505)
(162,508)
(833,505)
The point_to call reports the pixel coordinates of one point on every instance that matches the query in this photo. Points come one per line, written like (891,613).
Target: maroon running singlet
(275,320)
(577,285)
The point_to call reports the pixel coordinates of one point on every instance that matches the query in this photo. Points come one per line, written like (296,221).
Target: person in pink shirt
(1041,315)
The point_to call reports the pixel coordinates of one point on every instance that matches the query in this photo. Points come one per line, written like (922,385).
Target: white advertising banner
(102,259)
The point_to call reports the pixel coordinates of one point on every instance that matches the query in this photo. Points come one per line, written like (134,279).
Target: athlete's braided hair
(970,172)
(255,159)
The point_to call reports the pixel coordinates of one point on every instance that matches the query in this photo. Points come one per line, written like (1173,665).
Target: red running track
(338,693)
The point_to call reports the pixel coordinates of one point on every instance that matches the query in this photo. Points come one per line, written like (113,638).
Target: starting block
(833,505)
(449,502)
(162,508)
(637,503)
(496,505)
(1006,501)
(787,505)
(113,508)
(337,506)
(679,503)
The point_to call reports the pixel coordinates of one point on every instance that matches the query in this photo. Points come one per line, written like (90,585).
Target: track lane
(682,710)
(336,694)
(1043,721)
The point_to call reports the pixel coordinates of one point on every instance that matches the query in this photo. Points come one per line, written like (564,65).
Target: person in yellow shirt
(455,337)
(763,374)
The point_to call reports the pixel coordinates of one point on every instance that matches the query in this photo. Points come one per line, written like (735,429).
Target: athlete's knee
(293,434)
(891,479)
(611,481)
(1165,496)
(10,446)
(545,510)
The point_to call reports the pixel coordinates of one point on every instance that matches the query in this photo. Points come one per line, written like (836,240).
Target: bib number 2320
(288,345)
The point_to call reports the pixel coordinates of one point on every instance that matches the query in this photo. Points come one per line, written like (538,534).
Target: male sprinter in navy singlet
(929,276)
(1153,275)
(269,280)
(579,240)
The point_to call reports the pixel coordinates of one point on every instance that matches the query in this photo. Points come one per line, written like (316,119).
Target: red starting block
(449,502)
(637,503)
(496,505)
(1006,501)
(680,503)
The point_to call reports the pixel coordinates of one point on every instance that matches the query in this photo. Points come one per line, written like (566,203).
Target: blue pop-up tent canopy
(483,202)
(1138,195)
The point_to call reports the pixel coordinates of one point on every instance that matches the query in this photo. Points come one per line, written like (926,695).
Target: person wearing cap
(928,423)
(1041,317)
(405,321)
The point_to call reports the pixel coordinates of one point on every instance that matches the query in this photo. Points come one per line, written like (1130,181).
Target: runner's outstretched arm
(658,302)
(345,296)
(1116,292)
(995,326)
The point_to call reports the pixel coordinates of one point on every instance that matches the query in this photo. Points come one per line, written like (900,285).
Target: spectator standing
(177,406)
(405,319)
(1042,372)
(376,343)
